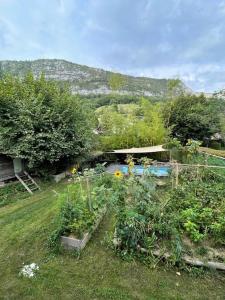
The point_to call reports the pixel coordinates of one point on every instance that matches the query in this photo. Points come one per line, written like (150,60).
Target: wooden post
(81,188)
(89,194)
(172,182)
(177,175)
(198,171)
(173,175)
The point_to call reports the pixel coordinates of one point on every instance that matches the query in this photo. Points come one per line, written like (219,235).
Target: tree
(41,122)
(116,81)
(173,86)
(193,117)
(131,125)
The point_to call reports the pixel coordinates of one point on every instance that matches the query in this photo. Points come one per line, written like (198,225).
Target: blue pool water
(159,171)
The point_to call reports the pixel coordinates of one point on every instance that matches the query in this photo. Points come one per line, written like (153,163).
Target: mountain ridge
(87,80)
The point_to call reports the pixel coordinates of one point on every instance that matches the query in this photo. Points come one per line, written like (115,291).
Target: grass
(213,151)
(97,274)
(11,192)
(210,160)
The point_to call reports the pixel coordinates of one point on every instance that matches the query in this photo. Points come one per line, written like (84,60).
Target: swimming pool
(159,171)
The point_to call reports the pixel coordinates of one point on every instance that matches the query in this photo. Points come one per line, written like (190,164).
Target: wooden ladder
(28,182)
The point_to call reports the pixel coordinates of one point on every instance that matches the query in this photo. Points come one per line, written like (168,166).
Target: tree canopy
(41,122)
(192,117)
(131,125)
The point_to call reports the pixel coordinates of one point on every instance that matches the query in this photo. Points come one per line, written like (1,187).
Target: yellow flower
(118,174)
(74,171)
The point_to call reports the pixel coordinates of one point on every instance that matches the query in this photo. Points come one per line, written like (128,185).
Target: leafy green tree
(173,86)
(132,126)
(116,81)
(193,117)
(41,122)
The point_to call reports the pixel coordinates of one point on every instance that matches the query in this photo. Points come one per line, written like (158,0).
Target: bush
(42,122)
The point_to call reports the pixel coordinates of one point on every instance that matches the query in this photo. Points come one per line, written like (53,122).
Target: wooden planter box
(58,177)
(72,243)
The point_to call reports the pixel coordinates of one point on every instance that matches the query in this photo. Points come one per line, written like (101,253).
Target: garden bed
(189,260)
(83,206)
(71,242)
(182,225)
(58,177)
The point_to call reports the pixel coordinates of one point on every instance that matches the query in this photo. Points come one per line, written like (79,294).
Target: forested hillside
(86,80)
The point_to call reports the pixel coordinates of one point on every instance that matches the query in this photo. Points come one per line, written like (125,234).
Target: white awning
(152,149)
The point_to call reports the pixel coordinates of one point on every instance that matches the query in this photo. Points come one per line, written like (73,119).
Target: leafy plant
(193,117)
(81,206)
(42,122)
(146,222)
(139,125)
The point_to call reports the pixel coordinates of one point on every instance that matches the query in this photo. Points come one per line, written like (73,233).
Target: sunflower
(73,171)
(118,174)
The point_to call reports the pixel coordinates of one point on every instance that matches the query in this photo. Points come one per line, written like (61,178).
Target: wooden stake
(81,188)
(198,172)
(89,194)
(177,174)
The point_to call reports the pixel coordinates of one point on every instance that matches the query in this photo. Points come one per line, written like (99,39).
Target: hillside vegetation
(86,80)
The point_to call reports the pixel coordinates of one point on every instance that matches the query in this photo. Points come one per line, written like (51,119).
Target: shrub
(42,122)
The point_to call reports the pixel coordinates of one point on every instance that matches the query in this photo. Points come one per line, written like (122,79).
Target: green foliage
(76,219)
(96,101)
(213,151)
(172,144)
(41,122)
(173,87)
(136,214)
(11,192)
(200,205)
(204,159)
(81,206)
(149,220)
(191,149)
(24,228)
(100,168)
(116,81)
(193,117)
(131,125)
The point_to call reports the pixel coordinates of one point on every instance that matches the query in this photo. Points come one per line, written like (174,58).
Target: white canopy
(152,149)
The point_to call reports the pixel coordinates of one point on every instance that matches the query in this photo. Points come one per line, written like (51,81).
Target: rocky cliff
(86,80)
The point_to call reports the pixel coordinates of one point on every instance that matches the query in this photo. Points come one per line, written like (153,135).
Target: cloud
(61,7)
(146,37)
(198,77)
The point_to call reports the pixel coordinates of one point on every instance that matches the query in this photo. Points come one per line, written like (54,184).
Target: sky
(155,38)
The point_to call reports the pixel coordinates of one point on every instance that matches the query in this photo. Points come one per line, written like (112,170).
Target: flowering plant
(29,270)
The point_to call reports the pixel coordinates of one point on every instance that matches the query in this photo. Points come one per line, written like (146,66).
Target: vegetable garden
(172,225)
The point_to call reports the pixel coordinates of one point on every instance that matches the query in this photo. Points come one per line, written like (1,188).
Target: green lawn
(213,151)
(98,274)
